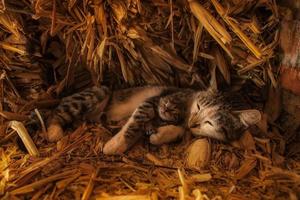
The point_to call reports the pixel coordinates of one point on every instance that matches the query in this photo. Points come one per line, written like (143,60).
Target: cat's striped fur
(148,108)
(86,105)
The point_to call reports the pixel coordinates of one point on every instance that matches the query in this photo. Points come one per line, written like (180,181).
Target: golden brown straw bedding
(46,47)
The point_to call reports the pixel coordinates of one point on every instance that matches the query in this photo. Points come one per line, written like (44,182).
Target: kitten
(168,108)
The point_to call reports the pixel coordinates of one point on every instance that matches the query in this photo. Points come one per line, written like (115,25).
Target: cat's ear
(249,117)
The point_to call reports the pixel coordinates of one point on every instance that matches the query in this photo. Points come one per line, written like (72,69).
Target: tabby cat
(204,113)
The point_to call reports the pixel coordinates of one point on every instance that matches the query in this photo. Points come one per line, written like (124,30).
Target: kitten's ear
(249,117)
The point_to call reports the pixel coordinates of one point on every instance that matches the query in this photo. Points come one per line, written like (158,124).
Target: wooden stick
(25,137)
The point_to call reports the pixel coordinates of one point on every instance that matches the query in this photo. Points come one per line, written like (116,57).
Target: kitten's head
(210,117)
(169,109)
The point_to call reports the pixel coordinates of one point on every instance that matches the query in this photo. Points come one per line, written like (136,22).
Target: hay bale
(52,48)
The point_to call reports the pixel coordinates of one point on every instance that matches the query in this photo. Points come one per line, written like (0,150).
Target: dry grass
(49,48)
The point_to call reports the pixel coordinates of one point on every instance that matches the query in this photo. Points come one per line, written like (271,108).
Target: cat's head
(170,109)
(210,117)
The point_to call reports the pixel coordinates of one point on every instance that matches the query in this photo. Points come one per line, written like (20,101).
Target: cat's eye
(195,126)
(208,122)
(198,106)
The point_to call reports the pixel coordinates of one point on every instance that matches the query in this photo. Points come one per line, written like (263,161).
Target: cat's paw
(166,134)
(54,132)
(116,145)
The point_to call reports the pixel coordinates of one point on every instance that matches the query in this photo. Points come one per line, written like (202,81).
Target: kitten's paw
(116,145)
(166,134)
(54,133)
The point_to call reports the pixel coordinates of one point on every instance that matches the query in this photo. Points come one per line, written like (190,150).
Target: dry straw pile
(52,46)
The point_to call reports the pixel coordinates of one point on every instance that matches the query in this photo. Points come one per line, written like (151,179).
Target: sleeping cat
(149,110)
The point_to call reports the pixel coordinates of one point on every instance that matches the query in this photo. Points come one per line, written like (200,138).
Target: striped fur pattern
(210,116)
(169,108)
(204,113)
(165,109)
(88,104)
(149,110)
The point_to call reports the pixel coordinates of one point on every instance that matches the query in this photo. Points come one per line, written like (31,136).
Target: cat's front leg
(132,131)
(166,134)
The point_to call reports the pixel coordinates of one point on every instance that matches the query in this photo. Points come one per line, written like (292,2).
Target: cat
(151,109)
(89,105)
